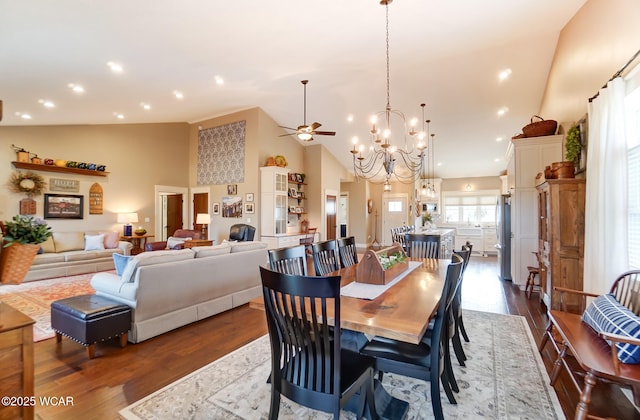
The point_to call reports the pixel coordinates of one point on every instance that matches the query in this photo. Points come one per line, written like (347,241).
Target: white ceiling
(445,53)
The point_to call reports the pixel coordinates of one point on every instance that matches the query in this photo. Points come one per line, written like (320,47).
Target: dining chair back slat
(348,252)
(422,246)
(325,257)
(291,260)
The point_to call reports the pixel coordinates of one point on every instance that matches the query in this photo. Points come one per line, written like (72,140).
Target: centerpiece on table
(20,244)
(381,267)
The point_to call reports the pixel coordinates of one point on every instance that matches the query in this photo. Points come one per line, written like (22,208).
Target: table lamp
(127,219)
(203,219)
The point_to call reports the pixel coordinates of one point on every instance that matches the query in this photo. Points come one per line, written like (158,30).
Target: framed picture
(292,209)
(232,206)
(299,209)
(293,193)
(232,189)
(63,206)
(216,208)
(301,194)
(248,198)
(249,208)
(292,177)
(299,178)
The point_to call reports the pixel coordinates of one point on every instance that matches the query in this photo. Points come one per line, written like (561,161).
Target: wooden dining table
(402,312)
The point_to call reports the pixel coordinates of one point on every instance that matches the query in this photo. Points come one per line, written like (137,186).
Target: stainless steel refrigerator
(503,224)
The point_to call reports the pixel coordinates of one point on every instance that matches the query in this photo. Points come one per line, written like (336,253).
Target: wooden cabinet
(561,238)
(527,157)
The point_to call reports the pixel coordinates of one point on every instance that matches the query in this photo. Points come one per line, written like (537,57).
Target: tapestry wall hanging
(221,154)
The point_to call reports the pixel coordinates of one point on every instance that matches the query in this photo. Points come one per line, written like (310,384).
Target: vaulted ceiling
(228,56)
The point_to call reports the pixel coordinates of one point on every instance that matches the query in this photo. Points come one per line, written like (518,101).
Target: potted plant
(572,144)
(20,244)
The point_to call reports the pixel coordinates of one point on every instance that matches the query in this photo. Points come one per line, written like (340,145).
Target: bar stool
(531,278)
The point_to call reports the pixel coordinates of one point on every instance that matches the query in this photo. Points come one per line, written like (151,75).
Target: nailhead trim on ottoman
(88,319)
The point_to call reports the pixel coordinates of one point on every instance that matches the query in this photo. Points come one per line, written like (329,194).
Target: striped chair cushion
(606,314)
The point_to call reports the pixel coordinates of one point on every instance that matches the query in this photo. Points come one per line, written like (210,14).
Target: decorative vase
(15,261)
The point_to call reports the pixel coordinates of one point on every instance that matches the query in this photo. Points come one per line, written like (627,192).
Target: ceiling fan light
(305,136)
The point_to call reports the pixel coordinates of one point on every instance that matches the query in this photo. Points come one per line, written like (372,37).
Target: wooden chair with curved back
(291,260)
(309,238)
(325,257)
(348,252)
(422,246)
(308,365)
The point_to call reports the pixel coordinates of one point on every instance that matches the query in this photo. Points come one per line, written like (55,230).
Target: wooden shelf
(60,169)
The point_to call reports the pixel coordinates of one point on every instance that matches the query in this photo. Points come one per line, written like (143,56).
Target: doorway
(343,215)
(331,216)
(394,214)
(170,210)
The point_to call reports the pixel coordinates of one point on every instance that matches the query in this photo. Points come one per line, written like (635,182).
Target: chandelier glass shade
(395,150)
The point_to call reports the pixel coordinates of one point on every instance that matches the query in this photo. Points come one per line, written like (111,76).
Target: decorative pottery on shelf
(140,231)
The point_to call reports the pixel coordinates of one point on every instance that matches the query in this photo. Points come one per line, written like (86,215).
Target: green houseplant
(572,144)
(21,238)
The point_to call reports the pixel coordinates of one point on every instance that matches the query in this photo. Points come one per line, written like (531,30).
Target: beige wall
(477,184)
(595,44)
(137,156)
(261,141)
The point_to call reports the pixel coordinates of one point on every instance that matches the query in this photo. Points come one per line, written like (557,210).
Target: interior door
(174,214)
(200,205)
(394,214)
(331,219)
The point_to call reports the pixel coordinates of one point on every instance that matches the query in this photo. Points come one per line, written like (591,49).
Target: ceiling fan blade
(315,125)
(288,128)
(325,133)
(288,134)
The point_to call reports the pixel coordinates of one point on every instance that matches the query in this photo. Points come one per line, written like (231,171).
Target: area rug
(504,379)
(34,299)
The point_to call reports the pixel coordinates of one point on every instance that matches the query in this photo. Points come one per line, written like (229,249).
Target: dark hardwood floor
(118,377)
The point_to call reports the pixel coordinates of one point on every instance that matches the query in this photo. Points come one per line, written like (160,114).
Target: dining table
(401,311)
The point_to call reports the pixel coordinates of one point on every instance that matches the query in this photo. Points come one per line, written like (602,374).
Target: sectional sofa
(71,253)
(172,288)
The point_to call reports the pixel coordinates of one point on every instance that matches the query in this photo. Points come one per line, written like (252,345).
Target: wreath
(28,182)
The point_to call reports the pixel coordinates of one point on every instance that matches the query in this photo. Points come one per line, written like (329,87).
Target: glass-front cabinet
(275,200)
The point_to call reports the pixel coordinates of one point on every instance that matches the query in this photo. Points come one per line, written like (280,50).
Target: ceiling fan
(306,132)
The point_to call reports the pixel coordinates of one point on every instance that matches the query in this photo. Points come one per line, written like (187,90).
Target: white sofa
(71,253)
(169,289)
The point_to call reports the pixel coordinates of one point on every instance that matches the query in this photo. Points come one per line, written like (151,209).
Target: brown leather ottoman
(88,319)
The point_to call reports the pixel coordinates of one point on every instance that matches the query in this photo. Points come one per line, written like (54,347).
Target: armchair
(241,232)
(175,241)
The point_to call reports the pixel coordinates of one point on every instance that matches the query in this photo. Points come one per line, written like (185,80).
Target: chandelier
(395,151)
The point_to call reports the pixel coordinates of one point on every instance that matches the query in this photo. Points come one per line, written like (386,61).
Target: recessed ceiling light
(145,106)
(47,104)
(350,118)
(504,74)
(439,163)
(76,88)
(178,94)
(499,139)
(119,115)
(502,111)
(496,160)
(115,67)
(23,115)
(219,80)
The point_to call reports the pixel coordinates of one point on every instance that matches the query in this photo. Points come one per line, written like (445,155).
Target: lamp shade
(127,218)
(203,219)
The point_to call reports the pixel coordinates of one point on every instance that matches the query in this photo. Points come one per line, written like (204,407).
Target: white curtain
(605,251)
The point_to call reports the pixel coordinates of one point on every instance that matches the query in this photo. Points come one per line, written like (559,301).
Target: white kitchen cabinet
(489,241)
(527,157)
(473,235)
(274,204)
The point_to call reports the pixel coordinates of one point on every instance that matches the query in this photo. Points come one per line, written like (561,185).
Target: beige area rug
(504,379)
(34,298)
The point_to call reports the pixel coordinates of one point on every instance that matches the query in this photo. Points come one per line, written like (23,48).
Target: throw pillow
(606,314)
(94,242)
(120,262)
(48,245)
(111,239)
(68,241)
(173,241)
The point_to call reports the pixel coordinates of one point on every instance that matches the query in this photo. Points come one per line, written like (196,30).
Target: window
(394,206)
(632,105)
(471,208)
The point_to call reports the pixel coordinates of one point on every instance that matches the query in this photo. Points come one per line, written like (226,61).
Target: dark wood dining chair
(325,257)
(422,246)
(424,360)
(291,260)
(309,237)
(348,252)
(308,365)
(458,325)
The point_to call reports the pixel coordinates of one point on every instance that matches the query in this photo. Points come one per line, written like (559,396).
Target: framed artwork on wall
(63,206)
(249,208)
(232,189)
(248,197)
(216,208)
